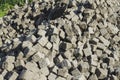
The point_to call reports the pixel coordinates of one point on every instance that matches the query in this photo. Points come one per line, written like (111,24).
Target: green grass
(6,5)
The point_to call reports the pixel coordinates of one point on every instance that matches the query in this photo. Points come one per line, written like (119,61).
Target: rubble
(61,40)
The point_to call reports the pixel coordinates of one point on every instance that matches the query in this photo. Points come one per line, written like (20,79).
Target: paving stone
(20,55)
(81,77)
(43,41)
(94,60)
(101,73)
(101,46)
(49,45)
(98,52)
(111,61)
(60,78)
(52,76)
(62,72)
(37,56)
(74,63)
(43,63)
(13,76)
(75,73)
(116,38)
(66,63)
(55,69)
(69,77)
(32,66)
(68,54)
(26,75)
(1,43)
(93,77)
(87,52)
(19,63)
(106,42)
(41,33)
(103,31)
(10,59)
(8,66)
(83,67)
(26,44)
(61,40)
(44,71)
(62,34)
(4,72)
(114,78)
(92,69)
(104,65)
(1,77)
(42,77)
(29,52)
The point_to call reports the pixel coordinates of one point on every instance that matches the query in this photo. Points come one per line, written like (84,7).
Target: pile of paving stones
(61,40)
